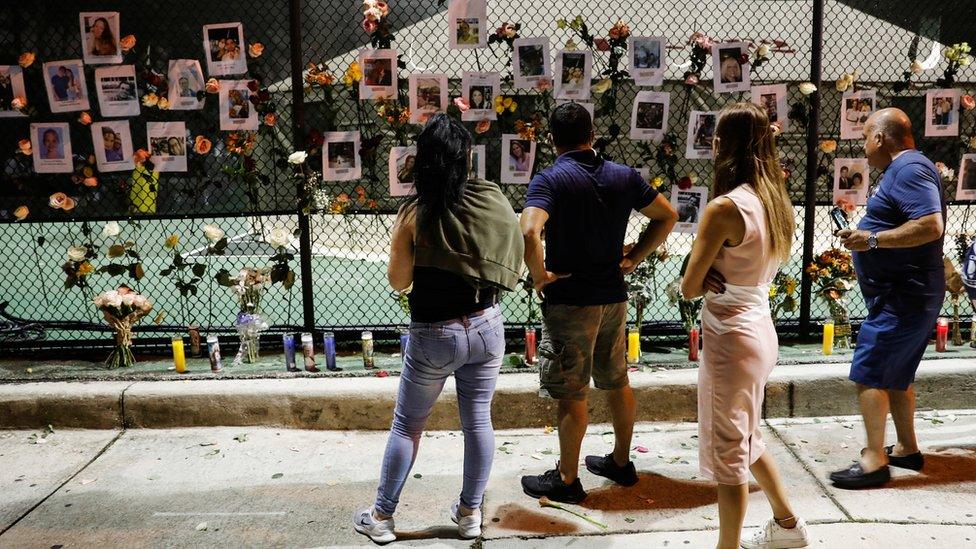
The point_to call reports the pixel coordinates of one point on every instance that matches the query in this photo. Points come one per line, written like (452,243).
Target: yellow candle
(633,346)
(828,338)
(179,356)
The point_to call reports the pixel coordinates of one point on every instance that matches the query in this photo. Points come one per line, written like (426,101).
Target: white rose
(280,237)
(113,299)
(128,299)
(763,51)
(77,253)
(141,303)
(111,229)
(99,301)
(807,88)
(916,67)
(212,232)
(297,157)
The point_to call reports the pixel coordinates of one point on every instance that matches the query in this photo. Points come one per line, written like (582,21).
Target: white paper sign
(236,110)
(855,108)
(428,95)
(773,99)
(340,156)
(51,144)
(11,87)
(402,162)
(530,61)
(701,132)
(167,143)
(574,71)
(477,169)
(379,73)
(518,156)
(467,22)
(648,60)
(117,91)
(690,205)
(942,113)
(649,119)
(851,181)
(100,37)
(480,89)
(185,83)
(224,49)
(113,145)
(66,87)
(729,73)
(967,178)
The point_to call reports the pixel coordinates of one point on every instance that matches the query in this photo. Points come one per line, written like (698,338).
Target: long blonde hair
(746,153)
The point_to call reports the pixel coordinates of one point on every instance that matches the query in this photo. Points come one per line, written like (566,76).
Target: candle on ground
(179,355)
(828,338)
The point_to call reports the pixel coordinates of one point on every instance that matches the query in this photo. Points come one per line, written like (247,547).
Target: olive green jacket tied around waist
(480,241)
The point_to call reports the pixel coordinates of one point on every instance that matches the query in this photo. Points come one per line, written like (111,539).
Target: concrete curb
(367,403)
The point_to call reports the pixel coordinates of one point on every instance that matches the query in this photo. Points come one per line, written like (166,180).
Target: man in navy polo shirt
(898,259)
(583,204)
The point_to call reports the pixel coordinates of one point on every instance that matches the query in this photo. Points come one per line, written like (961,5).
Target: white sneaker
(380,531)
(469,527)
(774,536)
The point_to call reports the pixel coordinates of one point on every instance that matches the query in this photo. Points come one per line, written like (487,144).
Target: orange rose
(26,59)
(90,182)
(483,125)
(255,49)
(21,213)
(212,85)
(57,200)
(85,268)
(270,119)
(18,103)
(202,145)
(140,156)
(69,204)
(25,147)
(85,118)
(128,42)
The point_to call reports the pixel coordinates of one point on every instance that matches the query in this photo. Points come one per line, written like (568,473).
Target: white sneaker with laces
(380,531)
(469,527)
(774,536)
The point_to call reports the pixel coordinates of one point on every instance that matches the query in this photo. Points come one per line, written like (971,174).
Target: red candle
(530,345)
(941,335)
(693,345)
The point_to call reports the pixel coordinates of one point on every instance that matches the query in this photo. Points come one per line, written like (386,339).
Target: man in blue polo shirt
(898,259)
(583,204)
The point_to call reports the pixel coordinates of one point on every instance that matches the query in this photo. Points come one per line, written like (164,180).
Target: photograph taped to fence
(942,113)
(224,49)
(855,108)
(648,60)
(51,144)
(66,87)
(112,142)
(966,189)
(479,162)
(236,110)
(851,181)
(11,87)
(530,61)
(401,164)
(480,89)
(730,67)
(468,24)
(379,73)
(185,85)
(116,90)
(701,132)
(100,37)
(649,119)
(428,95)
(574,70)
(690,205)
(340,156)
(773,99)
(518,156)
(167,143)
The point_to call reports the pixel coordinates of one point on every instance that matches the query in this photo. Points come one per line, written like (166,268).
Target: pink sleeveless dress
(740,349)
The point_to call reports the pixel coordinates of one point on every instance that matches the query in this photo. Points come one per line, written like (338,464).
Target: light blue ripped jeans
(472,349)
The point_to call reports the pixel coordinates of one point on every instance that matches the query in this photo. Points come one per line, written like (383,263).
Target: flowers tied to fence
(122,308)
(832,274)
(782,295)
(642,283)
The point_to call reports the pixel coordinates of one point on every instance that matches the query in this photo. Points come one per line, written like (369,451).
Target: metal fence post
(298,139)
(813,138)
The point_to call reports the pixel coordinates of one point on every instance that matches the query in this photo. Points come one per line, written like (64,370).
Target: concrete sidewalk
(233,487)
(367,403)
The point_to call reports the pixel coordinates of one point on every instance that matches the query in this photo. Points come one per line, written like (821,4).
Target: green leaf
(113,269)
(116,250)
(132,253)
(199,269)
(178,260)
(289,280)
(166,272)
(136,271)
(223,278)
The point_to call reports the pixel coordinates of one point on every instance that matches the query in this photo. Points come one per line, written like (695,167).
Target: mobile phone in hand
(840,218)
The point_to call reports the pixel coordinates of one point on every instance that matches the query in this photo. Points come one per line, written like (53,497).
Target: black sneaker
(854,477)
(605,466)
(550,484)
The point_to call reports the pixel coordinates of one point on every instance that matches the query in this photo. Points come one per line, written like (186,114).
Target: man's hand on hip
(854,240)
(549,278)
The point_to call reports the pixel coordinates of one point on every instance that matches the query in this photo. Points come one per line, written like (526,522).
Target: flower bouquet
(122,308)
(833,272)
(248,286)
(782,295)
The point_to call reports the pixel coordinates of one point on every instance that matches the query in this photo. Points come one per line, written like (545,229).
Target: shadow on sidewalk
(433,532)
(654,492)
(513,516)
(946,466)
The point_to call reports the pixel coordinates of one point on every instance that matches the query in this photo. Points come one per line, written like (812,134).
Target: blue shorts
(892,340)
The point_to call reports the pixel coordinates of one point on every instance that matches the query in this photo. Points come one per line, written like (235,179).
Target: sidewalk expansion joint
(122,405)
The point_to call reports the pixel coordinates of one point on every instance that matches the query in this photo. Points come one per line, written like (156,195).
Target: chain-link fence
(293,92)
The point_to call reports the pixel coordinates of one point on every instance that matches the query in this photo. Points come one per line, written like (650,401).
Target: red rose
(253,85)
(684,183)
(602,44)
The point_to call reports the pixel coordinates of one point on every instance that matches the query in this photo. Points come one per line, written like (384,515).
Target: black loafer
(550,484)
(914,462)
(606,467)
(854,477)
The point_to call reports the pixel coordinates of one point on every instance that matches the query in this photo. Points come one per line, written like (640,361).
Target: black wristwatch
(873,241)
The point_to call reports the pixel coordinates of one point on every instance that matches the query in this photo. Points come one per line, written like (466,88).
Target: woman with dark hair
(102,41)
(458,243)
(746,233)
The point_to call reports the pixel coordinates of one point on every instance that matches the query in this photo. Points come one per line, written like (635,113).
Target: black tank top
(439,295)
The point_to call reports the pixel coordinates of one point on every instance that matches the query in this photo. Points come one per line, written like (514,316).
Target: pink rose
(370,26)
(18,103)
(90,182)
(483,125)
(57,200)
(212,85)
(543,84)
(691,80)
(462,104)
(967,102)
(85,118)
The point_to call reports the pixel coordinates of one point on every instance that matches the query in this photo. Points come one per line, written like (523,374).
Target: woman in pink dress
(745,233)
